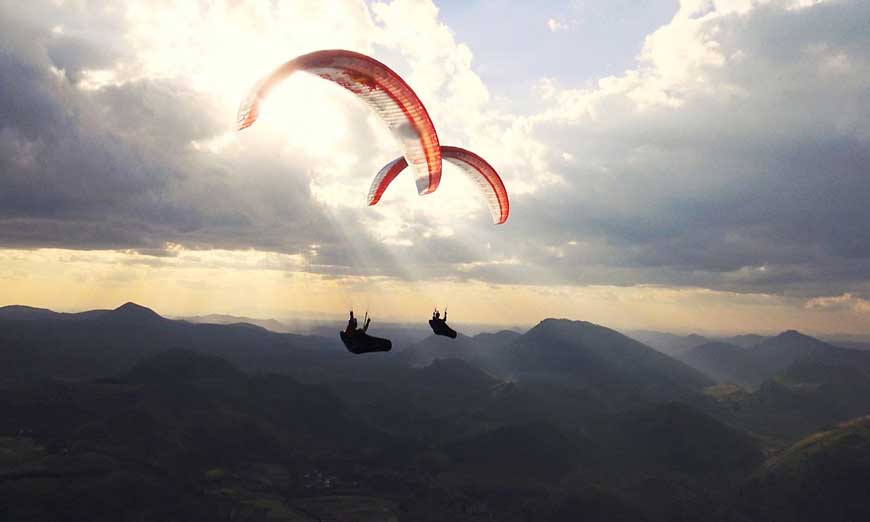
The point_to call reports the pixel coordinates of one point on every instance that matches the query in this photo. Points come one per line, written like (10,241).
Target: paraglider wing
(382,89)
(385,177)
(481,172)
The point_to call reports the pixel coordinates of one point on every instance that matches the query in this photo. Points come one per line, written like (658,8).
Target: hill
(667,343)
(752,366)
(422,353)
(745,340)
(582,354)
(269,324)
(108,343)
(182,436)
(124,414)
(824,476)
(723,361)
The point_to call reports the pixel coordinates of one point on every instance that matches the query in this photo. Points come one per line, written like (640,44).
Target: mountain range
(567,420)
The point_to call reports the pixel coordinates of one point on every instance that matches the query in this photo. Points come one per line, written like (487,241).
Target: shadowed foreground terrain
(125,415)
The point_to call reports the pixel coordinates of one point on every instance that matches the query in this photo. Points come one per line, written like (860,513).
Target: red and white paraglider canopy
(382,89)
(477,169)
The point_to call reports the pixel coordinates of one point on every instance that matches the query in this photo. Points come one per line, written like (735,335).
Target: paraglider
(391,98)
(439,325)
(477,169)
(379,87)
(357,341)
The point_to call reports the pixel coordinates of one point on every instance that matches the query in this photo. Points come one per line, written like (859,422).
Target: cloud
(732,157)
(556,25)
(845,301)
(103,149)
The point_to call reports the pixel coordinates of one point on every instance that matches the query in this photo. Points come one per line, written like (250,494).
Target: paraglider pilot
(439,325)
(351,324)
(358,341)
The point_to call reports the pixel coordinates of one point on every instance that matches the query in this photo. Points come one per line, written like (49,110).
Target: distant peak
(552,323)
(793,338)
(134,310)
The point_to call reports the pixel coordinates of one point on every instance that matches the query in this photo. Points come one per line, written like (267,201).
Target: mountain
(124,414)
(489,351)
(24,313)
(534,451)
(667,343)
(269,324)
(182,436)
(183,365)
(109,343)
(676,436)
(582,354)
(131,313)
(434,347)
(752,366)
(824,476)
(745,340)
(569,353)
(497,340)
(852,345)
(723,361)
(29,313)
(803,398)
(670,450)
(778,352)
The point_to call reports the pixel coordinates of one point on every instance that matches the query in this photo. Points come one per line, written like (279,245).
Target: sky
(699,165)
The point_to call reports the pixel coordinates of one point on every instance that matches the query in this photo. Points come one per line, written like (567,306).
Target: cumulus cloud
(733,157)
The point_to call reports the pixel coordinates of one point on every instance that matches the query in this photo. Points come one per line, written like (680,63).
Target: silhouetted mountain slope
(26,313)
(803,398)
(178,428)
(778,352)
(434,347)
(852,345)
(825,476)
(676,436)
(497,340)
(568,421)
(131,313)
(722,361)
(751,366)
(488,351)
(525,452)
(269,324)
(583,354)
(109,343)
(20,312)
(453,373)
(655,454)
(668,344)
(449,398)
(183,365)
(745,341)
(213,440)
